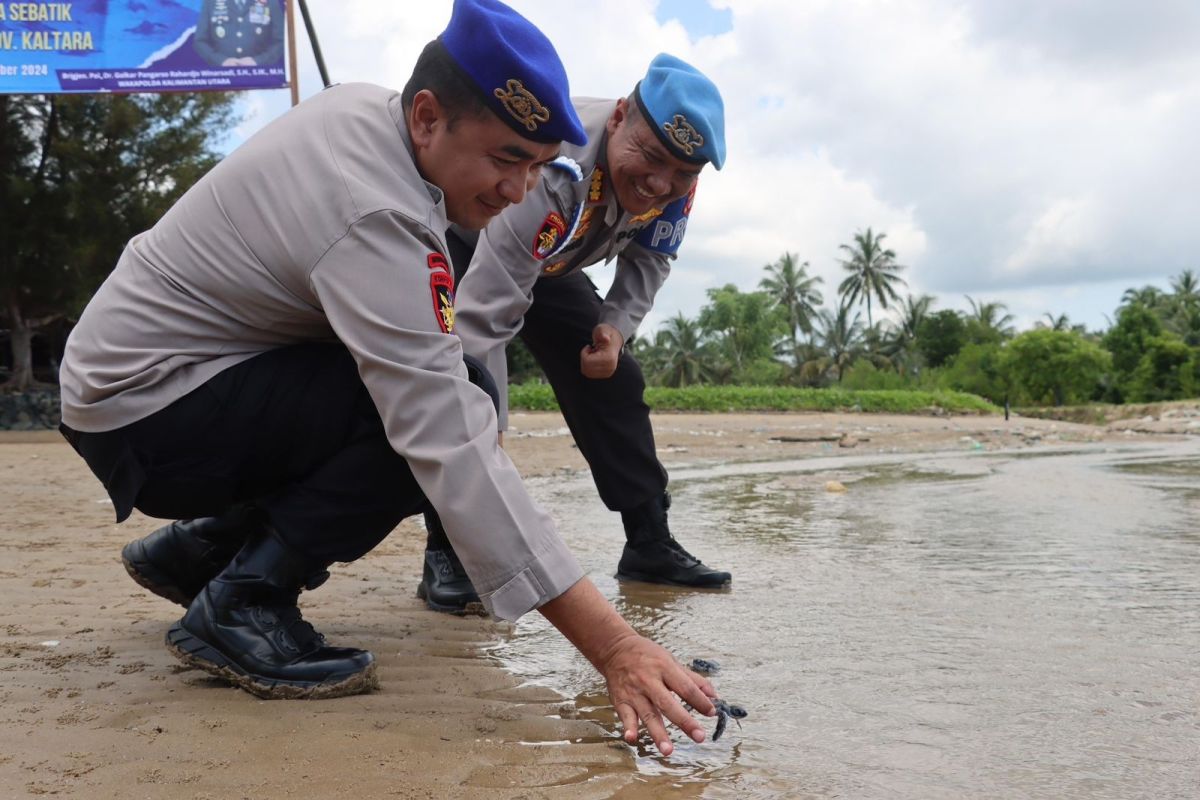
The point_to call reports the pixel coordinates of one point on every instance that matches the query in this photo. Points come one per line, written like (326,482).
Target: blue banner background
(135,46)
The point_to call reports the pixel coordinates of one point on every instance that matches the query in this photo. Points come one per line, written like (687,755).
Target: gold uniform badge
(683,135)
(596,187)
(522,105)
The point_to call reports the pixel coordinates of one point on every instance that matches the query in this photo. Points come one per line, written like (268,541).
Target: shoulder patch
(441,287)
(549,235)
(568,165)
(554,268)
(665,233)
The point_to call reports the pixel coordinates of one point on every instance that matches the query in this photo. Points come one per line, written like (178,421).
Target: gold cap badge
(682,134)
(524,107)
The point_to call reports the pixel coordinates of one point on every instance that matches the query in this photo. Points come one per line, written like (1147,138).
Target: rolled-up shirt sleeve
(377,289)
(497,289)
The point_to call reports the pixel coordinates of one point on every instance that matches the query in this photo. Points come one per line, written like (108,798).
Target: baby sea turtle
(724,712)
(704,666)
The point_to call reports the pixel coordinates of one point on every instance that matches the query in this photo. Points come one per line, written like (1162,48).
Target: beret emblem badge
(522,105)
(683,135)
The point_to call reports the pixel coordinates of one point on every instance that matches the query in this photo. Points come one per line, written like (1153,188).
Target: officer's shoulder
(558,187)
(562,171)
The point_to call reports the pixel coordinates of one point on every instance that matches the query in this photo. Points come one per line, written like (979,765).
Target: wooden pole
(291,34)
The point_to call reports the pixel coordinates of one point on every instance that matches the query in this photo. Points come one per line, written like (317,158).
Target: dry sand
(93,706)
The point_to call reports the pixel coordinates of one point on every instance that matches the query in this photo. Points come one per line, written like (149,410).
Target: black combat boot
(245,627)
(444,583)
(178,560)
(651,553)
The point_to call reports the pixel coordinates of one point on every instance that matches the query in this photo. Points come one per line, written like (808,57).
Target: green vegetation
(539,397)
(778,337)
(79,176)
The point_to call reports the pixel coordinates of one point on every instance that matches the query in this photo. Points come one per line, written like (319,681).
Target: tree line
(781,334)
(81,174)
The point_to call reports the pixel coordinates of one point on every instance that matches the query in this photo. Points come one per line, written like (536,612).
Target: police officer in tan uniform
(627,195)
(274,364)
(232,33)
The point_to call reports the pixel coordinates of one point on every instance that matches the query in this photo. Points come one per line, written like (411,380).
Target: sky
(1038,153)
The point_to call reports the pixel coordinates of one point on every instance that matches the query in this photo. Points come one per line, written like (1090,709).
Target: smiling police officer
(627,195)
(275,361)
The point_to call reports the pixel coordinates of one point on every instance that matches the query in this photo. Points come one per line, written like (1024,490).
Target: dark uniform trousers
(608,417)
(292,432)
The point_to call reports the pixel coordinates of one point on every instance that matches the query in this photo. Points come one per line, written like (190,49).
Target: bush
(864,375)
(539,397)
(1166,371)
(977,369)
(1053,367)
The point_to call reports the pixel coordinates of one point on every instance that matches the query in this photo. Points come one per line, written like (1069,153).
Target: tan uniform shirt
(320,228)
(562,226)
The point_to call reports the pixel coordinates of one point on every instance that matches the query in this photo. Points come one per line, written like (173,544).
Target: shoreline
(96,707)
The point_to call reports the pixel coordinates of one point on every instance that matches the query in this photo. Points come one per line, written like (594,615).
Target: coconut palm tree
(1186,287)
(841,340)
(991,318)
(684,357)
(1060,323)
(899,346)
(791,287)
(1180,310)
(1149,296)
(873,271)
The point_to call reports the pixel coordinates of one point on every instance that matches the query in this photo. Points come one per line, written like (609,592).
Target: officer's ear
(619,115)
(424,117)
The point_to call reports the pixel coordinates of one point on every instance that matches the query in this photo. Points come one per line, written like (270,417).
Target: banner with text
(141,46)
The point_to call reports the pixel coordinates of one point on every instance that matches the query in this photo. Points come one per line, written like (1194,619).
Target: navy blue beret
(517,70)
(685,110)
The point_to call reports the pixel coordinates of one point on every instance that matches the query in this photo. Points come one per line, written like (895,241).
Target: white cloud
(1041,152)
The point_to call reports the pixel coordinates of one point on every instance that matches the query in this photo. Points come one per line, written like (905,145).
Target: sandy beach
(95,707)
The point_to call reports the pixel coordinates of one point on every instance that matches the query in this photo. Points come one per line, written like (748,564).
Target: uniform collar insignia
(683,135)
(596,189)
(524,107)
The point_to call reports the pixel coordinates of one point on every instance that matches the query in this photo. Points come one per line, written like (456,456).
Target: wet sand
(93,706)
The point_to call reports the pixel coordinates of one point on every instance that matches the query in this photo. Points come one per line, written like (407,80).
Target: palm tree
(1180,310)
(992,318)
(1186,287)
(1060,323)
(684,359)
(841,340)
(873,271)
(793,288)
(899,346)
(1149,296)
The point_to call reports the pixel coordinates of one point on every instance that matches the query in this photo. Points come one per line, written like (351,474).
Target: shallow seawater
(952,626)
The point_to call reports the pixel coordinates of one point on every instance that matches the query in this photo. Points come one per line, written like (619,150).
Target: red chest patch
(441,287)
(548,236)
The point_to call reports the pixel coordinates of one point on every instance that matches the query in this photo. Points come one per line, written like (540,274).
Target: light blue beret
(685,109)
(516,69)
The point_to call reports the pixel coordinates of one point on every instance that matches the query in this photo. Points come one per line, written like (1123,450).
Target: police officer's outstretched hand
(599,359)
(644,682)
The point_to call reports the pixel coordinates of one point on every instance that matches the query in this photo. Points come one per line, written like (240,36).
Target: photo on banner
(142,46)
